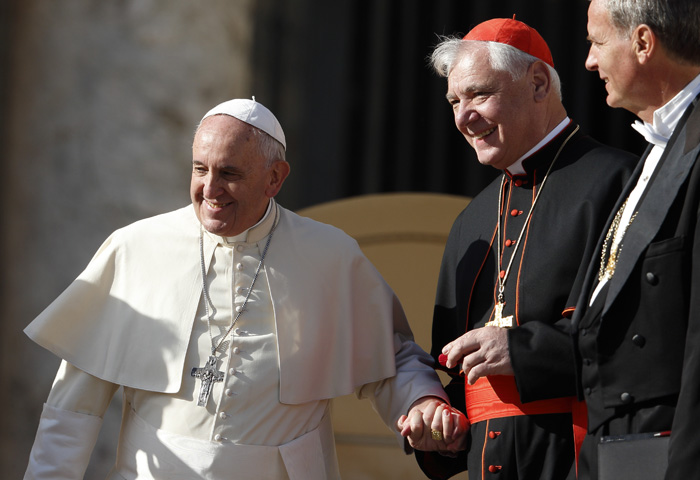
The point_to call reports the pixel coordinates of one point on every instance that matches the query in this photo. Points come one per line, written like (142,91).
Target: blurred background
(99,101)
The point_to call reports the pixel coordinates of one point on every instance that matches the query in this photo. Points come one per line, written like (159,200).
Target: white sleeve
(69,425)
(415,378)
(63,444)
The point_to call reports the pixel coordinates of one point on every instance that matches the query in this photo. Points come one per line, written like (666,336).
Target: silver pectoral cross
(498,319)
(208,374)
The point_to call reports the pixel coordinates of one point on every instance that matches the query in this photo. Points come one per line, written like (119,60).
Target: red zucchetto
(514,33)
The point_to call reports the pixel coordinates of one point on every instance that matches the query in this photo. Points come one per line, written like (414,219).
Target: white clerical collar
(666,118)
(517,167)
(255,233)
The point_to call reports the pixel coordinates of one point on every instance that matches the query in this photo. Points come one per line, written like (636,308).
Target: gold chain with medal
(607,269)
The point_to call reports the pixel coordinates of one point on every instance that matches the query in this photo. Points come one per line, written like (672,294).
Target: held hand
(482,352)
(432,425)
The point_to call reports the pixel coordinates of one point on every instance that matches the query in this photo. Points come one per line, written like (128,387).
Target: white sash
(148,453)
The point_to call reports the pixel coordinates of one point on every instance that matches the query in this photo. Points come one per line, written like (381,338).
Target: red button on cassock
(494,468)
(508,243)
(514,212)
(518,183)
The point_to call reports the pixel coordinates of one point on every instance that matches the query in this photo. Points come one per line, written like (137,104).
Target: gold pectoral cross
(498,319)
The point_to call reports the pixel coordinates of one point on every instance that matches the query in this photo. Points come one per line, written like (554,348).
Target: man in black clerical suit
(637,328)
(513,257)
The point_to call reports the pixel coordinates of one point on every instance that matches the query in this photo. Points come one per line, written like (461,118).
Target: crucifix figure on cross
(208,374)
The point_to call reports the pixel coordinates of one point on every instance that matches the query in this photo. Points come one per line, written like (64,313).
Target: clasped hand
(428,416)
(481,352)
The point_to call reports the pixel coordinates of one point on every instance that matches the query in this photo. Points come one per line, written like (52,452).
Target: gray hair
(269,148)
(675,22)
(502,57)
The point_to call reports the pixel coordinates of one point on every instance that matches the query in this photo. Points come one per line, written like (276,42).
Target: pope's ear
(277,174)
(541,80)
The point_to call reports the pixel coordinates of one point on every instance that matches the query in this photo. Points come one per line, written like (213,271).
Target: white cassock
(320,323)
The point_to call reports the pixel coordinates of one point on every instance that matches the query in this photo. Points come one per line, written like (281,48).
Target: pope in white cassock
(230,323)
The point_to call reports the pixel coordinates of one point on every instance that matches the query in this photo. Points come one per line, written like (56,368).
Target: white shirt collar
(517,167)
(666,118)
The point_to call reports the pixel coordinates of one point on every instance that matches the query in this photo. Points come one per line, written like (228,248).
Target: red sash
(497,397)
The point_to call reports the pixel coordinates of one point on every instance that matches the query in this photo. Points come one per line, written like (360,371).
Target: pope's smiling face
(231,184)
(491,110)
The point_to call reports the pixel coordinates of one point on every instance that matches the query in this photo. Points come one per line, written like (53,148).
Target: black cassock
(541,288)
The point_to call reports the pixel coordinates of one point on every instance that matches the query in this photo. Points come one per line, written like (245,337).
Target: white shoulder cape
(128,317)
